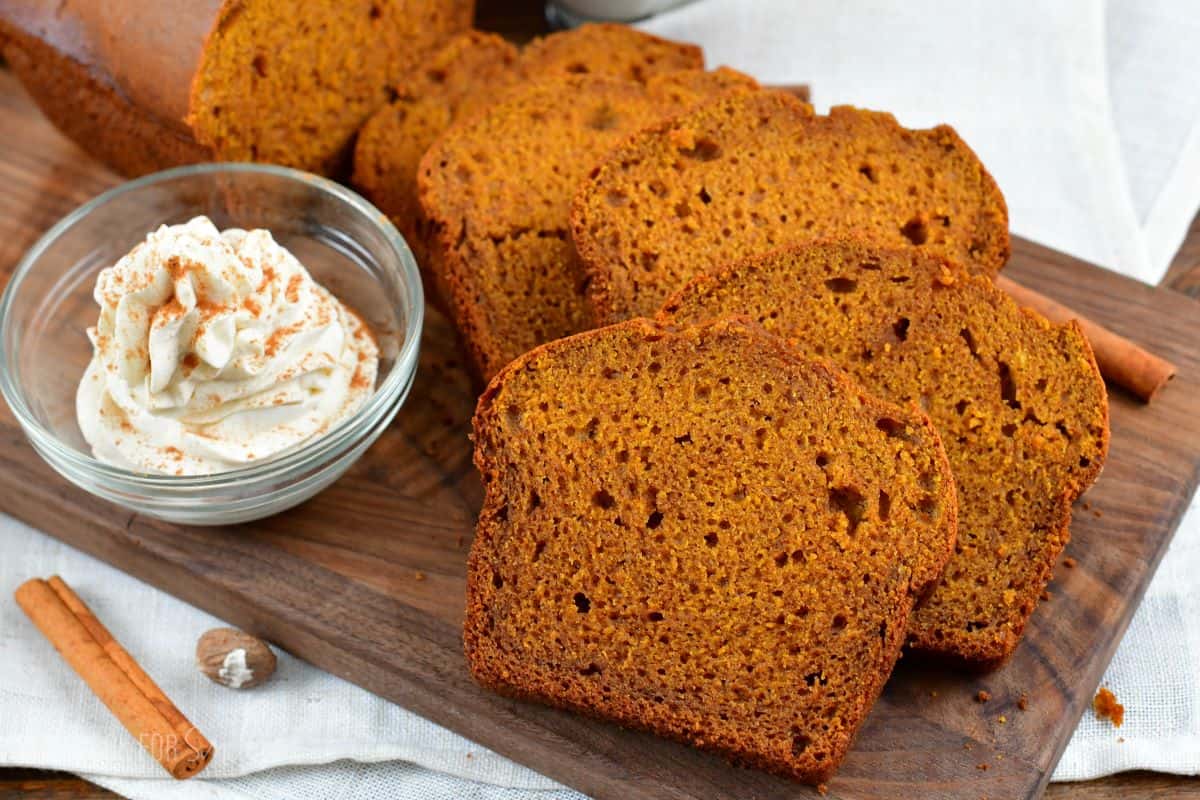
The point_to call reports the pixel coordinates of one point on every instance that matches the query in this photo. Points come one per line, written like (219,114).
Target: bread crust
(92,111)
(504,670)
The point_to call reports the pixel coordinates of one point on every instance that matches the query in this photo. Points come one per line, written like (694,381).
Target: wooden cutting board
(366,580)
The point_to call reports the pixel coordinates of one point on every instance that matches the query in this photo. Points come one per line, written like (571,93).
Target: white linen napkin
(1155,674)
(301,716)
(1027,84)
(1154,74)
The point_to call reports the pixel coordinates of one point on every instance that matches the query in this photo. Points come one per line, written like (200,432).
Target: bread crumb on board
(1023,702)
(1106,707)
(982,696)
(1069,562)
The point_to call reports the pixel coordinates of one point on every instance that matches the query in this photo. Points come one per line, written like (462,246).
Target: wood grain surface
(32,784)
(366,580)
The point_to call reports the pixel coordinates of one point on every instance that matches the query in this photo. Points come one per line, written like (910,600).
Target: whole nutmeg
(234,658)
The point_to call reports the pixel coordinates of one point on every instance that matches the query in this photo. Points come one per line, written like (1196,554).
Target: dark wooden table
(521,20)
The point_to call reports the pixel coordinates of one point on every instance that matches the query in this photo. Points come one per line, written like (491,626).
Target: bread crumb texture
(291,88)
(741,176)
(497,188)
(697,532)
(1106,707)
(467,70)
(1019,403)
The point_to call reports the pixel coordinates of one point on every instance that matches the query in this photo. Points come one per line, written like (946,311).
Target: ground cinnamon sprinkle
(208,310)
(267,279)
(276,339)
(362,331)
(177,267)
(191,361)
(170,310)
(1106,707)
(292,293)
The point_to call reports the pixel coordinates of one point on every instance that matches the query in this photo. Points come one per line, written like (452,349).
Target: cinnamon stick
(113,675)
(1120,360)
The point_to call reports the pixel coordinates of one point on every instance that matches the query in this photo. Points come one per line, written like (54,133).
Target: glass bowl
(347,245)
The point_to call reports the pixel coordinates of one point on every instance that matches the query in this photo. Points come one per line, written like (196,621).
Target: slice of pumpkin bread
(1019,404)
(472,71)
(496,190)
(391,144)
(739,177)
(698,532)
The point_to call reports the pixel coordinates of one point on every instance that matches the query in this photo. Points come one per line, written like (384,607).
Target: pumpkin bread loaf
(1019,404)
(496,190)
(256,80)
(698,532)
(738,177)
(472,71)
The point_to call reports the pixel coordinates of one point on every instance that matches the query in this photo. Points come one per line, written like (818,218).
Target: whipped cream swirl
(215,350)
